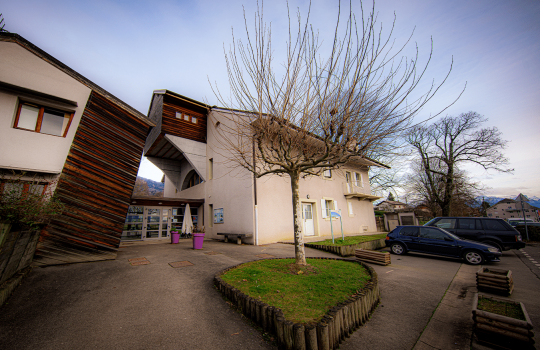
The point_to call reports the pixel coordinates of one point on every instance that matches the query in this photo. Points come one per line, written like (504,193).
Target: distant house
(511,208)
(61,127)
(185,147)
(391,206)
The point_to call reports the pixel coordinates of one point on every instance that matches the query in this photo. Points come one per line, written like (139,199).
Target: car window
(409,231)
(470,224)
(432,233)
(446,223)
(494,225)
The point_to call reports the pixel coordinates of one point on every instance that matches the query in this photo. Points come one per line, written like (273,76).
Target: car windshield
(429,222)
(449,233)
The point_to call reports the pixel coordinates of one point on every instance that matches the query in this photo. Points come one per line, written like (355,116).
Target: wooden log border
(348,250)
(334,327)
(491,327)
(495,281)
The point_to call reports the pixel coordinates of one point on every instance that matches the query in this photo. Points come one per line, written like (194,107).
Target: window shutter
(335,206)
(323,208)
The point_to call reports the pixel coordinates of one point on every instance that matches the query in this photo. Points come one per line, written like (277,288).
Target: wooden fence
(326,334)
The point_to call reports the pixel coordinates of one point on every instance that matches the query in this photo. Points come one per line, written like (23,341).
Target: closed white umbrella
(187,224)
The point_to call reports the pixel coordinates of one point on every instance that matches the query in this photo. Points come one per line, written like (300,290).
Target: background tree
(315,110)
(463,198)
(391,196)
(444,145)
(141,188)
(2,24)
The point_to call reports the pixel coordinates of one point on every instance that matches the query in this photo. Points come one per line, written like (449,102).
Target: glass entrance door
(157,222)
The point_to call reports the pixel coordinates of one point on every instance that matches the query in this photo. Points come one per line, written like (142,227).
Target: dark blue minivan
(434,240)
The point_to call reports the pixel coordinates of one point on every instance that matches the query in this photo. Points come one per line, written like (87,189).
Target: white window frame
(325,211)
(358,179)
(329,172)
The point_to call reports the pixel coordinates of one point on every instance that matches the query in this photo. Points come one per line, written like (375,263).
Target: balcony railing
(351,189)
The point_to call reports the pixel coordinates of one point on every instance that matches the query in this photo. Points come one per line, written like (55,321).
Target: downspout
(255,198)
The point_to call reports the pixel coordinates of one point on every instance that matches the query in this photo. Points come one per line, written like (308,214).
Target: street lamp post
(524,218)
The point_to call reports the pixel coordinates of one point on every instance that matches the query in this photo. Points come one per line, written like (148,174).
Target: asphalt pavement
(117,305)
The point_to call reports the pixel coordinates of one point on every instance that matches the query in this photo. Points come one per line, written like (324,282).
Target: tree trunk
(446,204)
(299,252)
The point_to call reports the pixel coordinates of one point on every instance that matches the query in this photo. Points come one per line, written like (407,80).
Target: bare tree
(444,145)
(315,112)
(2,24)
(464,193)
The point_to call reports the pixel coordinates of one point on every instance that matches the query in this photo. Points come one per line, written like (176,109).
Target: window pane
(467,224)
(53,122)
(409,231)
(446,223)
(432,233)
(493,225)
(28,117)
(36,189)
(194,120)
(13,190)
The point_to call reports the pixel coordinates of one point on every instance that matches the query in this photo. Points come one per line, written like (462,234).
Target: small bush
(27,204)
(534,232)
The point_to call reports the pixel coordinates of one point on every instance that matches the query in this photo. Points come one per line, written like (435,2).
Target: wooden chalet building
(61,127)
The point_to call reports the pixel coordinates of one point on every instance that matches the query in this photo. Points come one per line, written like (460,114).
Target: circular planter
(339,323)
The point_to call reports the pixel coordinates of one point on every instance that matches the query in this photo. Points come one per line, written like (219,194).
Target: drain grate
(212,253)
(138,261)
(265,256)
(180,264)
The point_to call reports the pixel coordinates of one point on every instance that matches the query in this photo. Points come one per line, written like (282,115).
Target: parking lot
(113,305)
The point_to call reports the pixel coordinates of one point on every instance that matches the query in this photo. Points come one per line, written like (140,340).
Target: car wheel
(494,244)
(473,257)
(398,249)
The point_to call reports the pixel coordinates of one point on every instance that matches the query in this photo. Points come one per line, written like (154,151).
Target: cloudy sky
(131,48)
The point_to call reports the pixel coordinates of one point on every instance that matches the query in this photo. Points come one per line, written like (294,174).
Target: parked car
(495,232)
(433,240)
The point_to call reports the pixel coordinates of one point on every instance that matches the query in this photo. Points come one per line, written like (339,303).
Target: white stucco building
(230,200)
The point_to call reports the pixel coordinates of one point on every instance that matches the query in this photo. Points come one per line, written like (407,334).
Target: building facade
(185,146)
(512,209)
(60,127)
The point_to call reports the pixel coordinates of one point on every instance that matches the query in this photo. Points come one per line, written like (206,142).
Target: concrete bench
(238,235)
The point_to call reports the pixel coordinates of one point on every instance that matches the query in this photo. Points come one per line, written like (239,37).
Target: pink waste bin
(198,239)
(175,237)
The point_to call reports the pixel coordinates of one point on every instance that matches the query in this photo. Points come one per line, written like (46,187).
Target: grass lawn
(352,240)
(304,294)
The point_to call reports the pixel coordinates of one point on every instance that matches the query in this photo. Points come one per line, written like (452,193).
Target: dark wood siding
(155,114)
(96,185)
(180,127)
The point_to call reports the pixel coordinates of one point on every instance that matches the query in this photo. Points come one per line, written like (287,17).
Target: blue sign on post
(336,214)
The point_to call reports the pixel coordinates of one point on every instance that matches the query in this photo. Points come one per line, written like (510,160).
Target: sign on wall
(218,216)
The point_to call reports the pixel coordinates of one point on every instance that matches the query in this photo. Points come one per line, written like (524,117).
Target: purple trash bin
(175,237)
(198,239)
